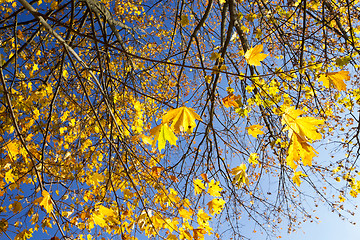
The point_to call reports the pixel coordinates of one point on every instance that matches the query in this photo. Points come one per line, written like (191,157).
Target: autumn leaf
(301,129)
(216,205)
(156,171)
(183,119)
(184,234)
(95,179)
(299,148)
(184,20)
(335,79)
(296,177)
(230,101)
(204,176)
(106,211)
(253,56)
(171,224)
(100,214)
(255,130)
(214,56)
(253,158)
(146,139)
(99,219)
(46,201)
(198,186)
(214,189)
(12,149)
(199,233)
(163,133)
(305,127)
(203,218)
(15,207)
(9,176)
(186,214)
(240,176)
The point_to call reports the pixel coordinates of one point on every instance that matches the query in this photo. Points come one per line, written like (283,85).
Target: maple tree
(175,119)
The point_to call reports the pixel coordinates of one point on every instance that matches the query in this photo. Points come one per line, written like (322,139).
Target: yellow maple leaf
(303,126)
(12,149)
(253,158)
(171,224)
(253,56)
(296,177)
(214,189)
(46,201)
(184,234)
(230,101)
(299,148)
(99,219)
(9,176)
(301,129)
(183,119)
(255,130)
(203,218)
(186,214)
(198,186)
(240,175)
(156,171)
(146,139)
(216,205)
(106,211)
(163,133)
(335,79)
(157,221)
(95,179)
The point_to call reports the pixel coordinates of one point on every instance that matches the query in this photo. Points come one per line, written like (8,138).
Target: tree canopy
(176,119)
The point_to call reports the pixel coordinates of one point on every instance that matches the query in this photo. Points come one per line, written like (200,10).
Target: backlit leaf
(230,101)
(46,201)
(253,158)
(255,130)
(253,56)
(299,148)
(183,119)
(163,133)
(186,214)
(198,186)
(214,189)
(296,177)
(240,176)
(335,79)
(216,205)
(303,126)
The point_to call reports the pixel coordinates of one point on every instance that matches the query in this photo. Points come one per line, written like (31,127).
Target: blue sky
(329,227)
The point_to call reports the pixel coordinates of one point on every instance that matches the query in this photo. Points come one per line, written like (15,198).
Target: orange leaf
(230,101)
